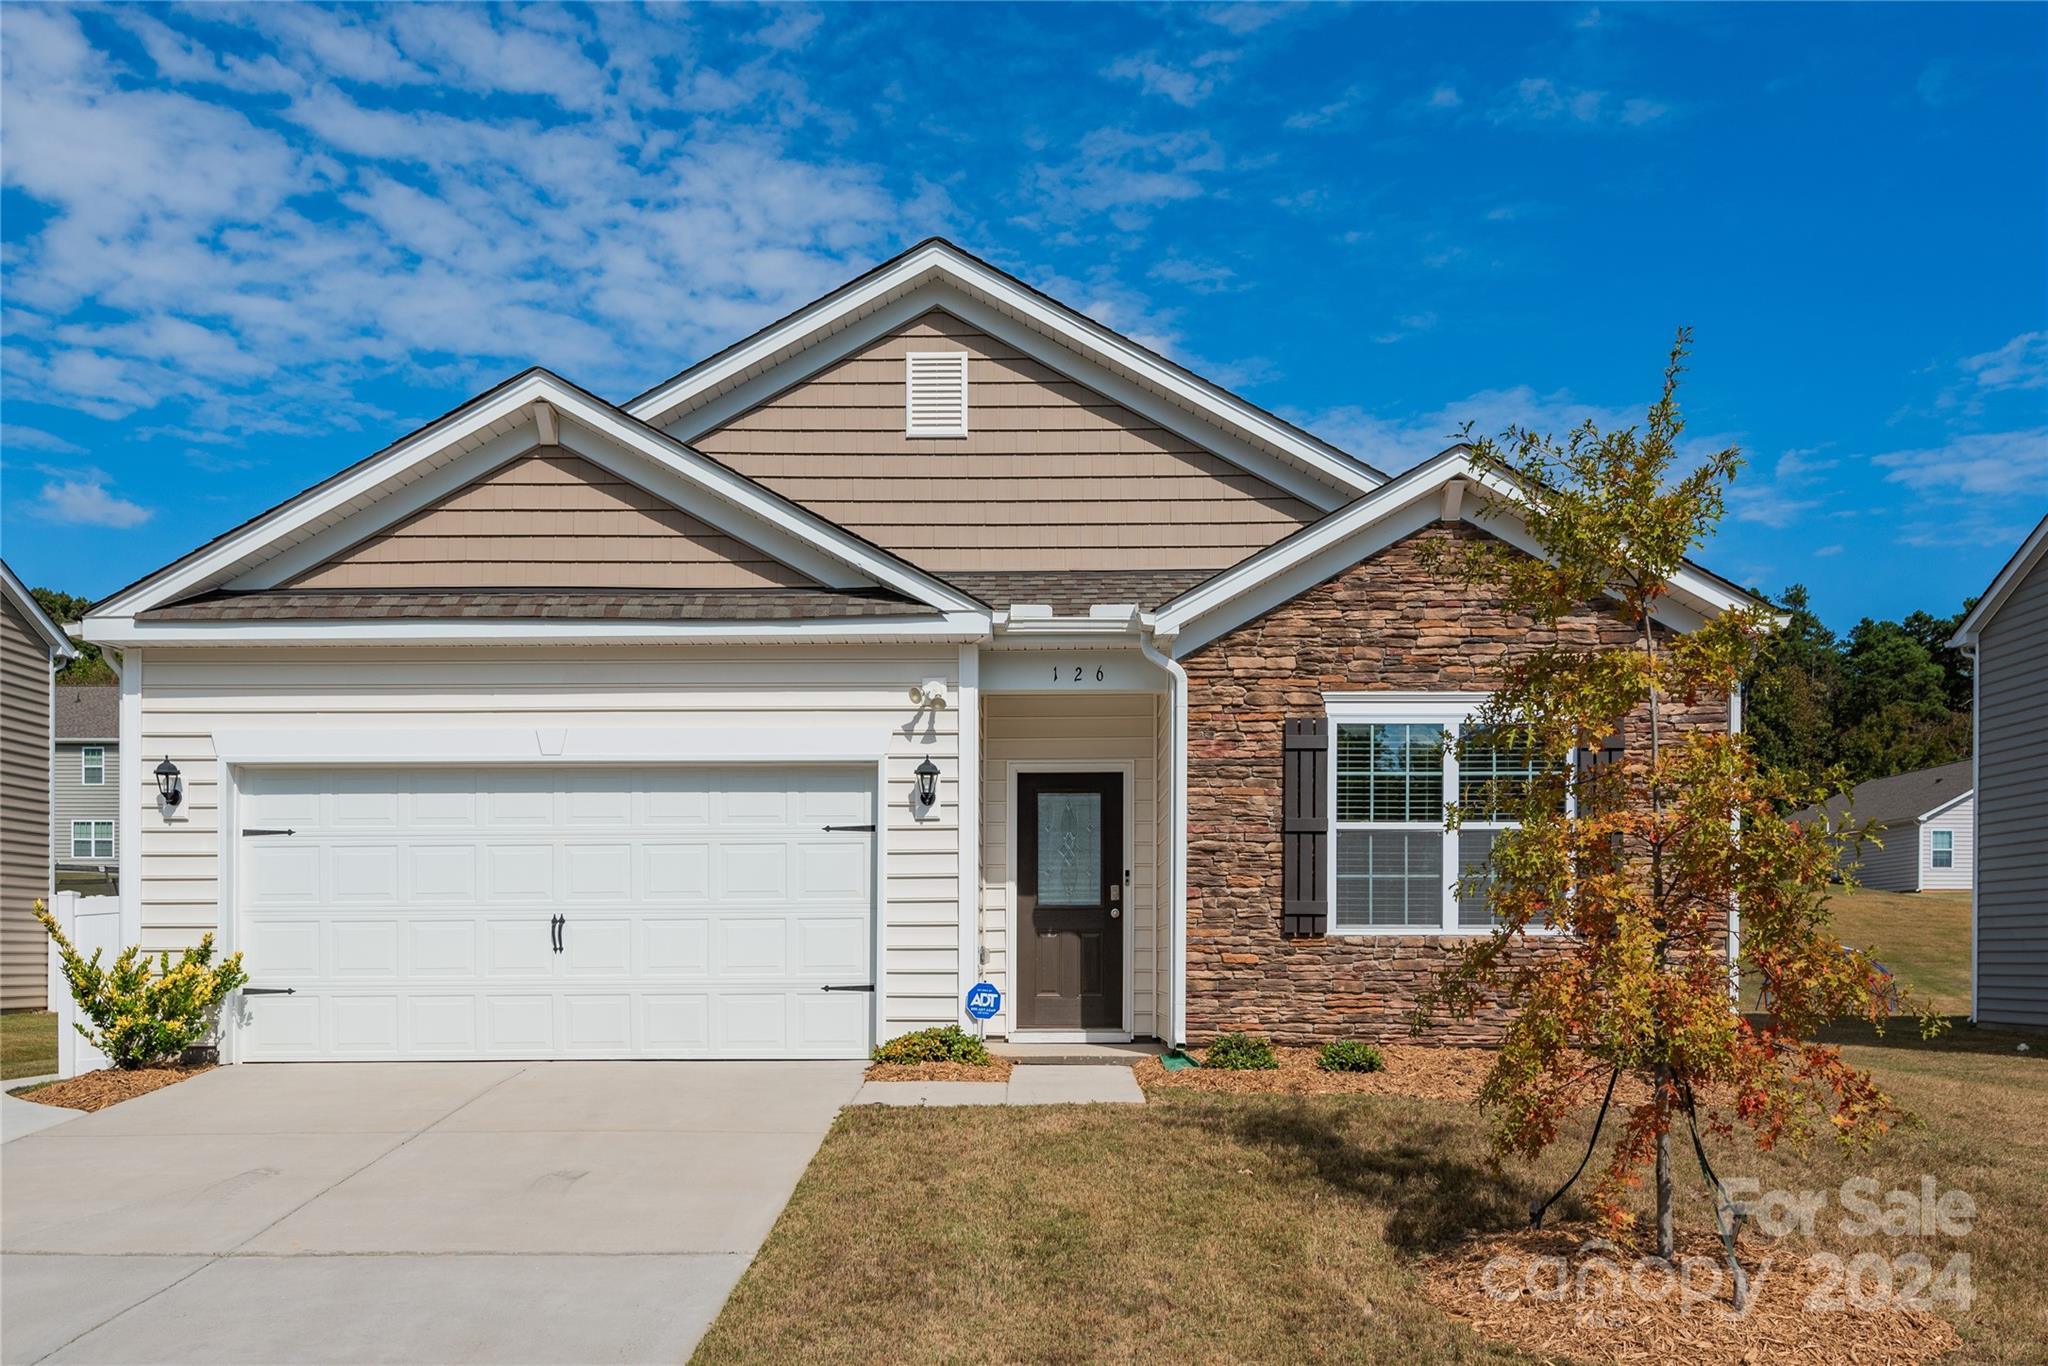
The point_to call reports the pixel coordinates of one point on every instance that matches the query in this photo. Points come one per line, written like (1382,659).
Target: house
(32,649)
(935,633)
(2007,635)
(85,834)
(1925,823)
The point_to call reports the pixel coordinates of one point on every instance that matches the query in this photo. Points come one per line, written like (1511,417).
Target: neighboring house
(2007,634)
(32,649)
(85,835)
(1926,823)
(934,633)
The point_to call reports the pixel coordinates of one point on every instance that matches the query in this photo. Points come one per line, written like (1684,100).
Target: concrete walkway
(1038,1084)
(580,1212)
(19,1118)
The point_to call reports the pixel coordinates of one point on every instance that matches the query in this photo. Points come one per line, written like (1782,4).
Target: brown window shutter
(1305,828)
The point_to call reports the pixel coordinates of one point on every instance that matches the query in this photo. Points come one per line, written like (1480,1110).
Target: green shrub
(1240,1053)
(1349,1055)
(947,1043)
(143,1012)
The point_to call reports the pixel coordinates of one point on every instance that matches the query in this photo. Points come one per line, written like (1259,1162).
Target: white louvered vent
(935,393)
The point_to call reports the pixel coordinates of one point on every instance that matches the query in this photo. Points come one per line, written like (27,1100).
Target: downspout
(1177,856)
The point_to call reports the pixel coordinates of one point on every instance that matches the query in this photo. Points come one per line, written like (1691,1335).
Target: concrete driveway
(404,1212)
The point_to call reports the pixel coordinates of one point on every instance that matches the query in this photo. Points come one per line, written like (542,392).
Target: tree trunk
(1667,1235)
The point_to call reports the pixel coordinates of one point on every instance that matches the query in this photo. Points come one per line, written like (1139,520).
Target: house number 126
(1080,673)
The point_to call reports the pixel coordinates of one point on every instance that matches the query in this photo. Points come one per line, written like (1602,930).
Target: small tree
(1635,848)
(143,1012)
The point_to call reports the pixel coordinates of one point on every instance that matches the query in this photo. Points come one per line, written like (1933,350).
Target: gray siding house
(85,836)
(32,648)
(1926,822)
(2007,631)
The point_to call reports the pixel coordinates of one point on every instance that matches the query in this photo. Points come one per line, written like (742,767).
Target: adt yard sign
(983,1001)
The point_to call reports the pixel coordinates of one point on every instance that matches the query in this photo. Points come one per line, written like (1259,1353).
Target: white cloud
(84,501)
(35,439)
(1124,174)
(1827,552)
(1202,277)
(2021,363)
(1325,114)
(1786,496)
(1241,19)
(1542,100)
(1186,86)
(1980,465)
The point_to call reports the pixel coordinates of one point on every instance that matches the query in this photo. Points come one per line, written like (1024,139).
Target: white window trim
(911,426)
(113,842)
(85,770)
(1935,851)
(1450,710)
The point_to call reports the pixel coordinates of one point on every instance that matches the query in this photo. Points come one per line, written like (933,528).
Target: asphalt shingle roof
(632,604)
(88,713)
(1902,797)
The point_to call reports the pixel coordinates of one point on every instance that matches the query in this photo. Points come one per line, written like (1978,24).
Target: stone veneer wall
(1388,623)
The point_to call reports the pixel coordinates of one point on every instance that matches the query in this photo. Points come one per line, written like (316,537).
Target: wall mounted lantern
(927,784)
(169,788)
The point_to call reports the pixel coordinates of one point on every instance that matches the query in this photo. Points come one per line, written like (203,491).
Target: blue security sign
(984,1001)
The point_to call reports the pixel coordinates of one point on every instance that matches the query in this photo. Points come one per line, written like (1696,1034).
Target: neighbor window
(1944,848)
(92,766)
(1398,761)
(92,839)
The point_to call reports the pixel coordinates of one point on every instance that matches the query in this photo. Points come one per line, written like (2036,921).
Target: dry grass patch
(108,1086)
(1229,1227)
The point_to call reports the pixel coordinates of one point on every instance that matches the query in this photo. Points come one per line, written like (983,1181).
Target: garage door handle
(835,829)
(870,986)
(557,926)
(270,991)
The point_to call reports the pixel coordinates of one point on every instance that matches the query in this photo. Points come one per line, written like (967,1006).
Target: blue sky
(244,247)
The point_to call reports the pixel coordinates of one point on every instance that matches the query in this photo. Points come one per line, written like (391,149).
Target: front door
(1070,900)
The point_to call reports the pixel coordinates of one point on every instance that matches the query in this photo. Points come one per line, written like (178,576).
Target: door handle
(1115,913)
(556,927)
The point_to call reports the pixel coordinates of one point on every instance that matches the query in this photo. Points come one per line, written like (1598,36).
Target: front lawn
(1923,937)
(28,1044)
(1279,1228)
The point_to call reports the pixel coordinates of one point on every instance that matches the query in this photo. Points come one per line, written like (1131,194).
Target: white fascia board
(2017,568)
(1956,800)
(951,628)
(969,285)
(1404,506)
(702,742)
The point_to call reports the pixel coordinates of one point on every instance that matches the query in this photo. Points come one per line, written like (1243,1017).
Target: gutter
(1177,857)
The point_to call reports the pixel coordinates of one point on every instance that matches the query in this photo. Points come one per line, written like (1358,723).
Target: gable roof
(936,272)
(88,713)
(1448,487)
(60,646)
(535,405)
(2016,569)
(1901,797)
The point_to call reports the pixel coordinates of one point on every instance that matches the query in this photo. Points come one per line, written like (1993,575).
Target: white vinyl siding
(1099,728)
(190,695)
(935,393)
(1959,822)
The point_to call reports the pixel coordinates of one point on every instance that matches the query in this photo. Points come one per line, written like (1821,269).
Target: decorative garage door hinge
(832,828)
(261,831)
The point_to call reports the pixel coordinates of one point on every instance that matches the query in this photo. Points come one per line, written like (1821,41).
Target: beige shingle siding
(1051,475)
(550,520)
(2012,807)
(24,809)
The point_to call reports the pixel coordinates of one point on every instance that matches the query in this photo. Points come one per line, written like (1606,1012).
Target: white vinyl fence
(89,922)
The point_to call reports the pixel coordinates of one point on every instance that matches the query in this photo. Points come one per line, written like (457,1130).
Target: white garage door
(538,913)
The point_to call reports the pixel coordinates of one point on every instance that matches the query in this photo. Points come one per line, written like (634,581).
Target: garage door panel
(704,911)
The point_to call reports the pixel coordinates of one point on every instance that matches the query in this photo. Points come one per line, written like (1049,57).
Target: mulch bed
(108,1086)
(997,1069)
(1411,1070)
(1614,1309)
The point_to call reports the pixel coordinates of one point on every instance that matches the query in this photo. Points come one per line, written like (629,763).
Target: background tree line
(1889,697)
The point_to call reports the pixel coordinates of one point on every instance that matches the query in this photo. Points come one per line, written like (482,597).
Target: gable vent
(935,393)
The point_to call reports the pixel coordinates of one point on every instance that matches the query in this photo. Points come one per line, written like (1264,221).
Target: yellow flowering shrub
(144,1010)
